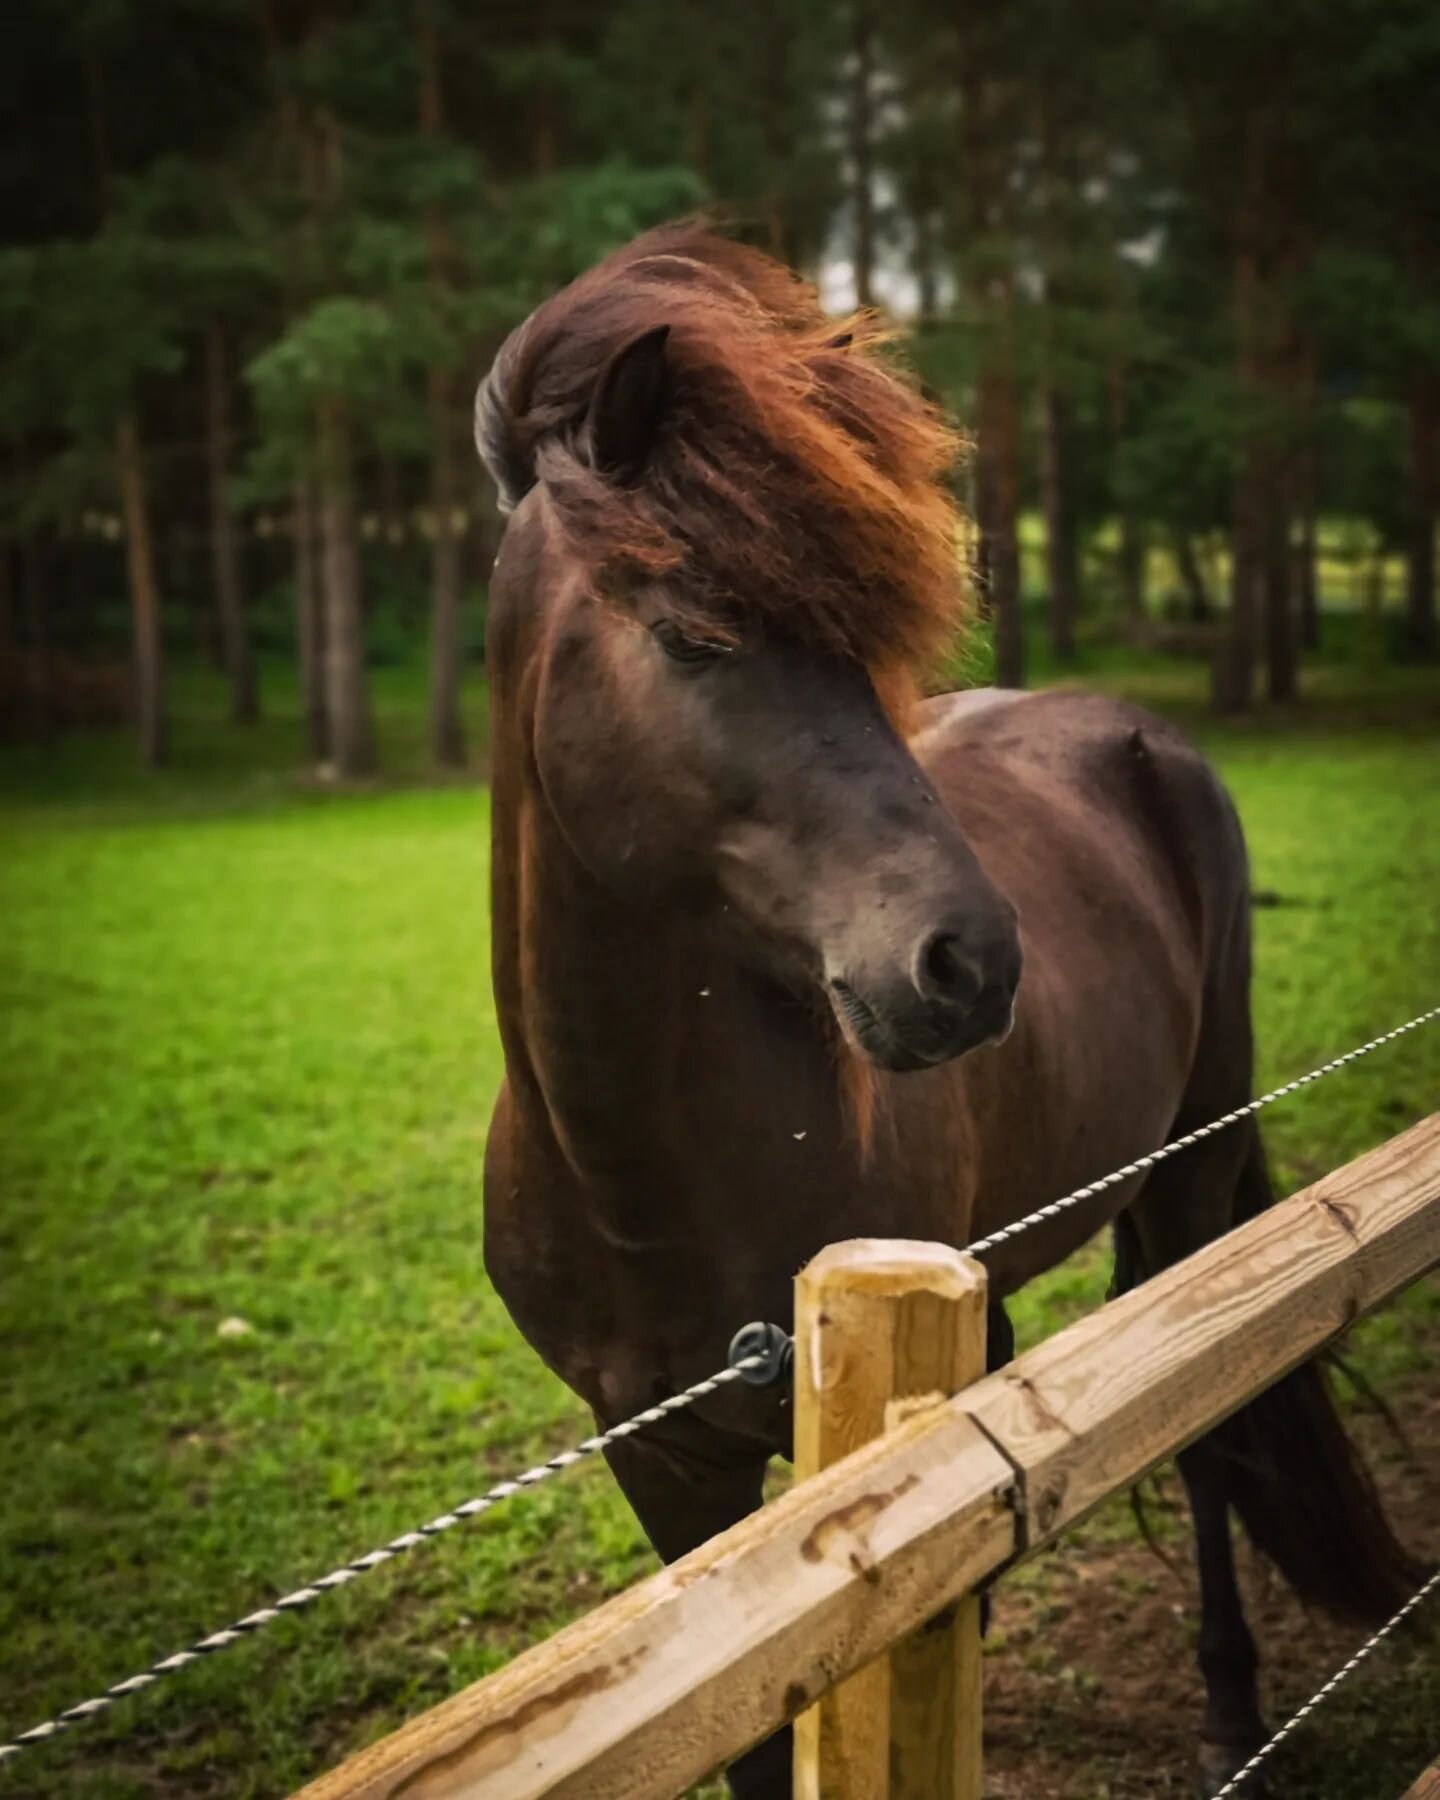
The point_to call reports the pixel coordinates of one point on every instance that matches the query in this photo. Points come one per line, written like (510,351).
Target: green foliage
(745,96)
(1366,455)
(1178,466)
(557,225)
(94,323)
(90,325)
(369,198)
(372,342)
(340,346)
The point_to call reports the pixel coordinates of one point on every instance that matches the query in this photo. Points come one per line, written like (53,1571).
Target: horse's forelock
(798,481)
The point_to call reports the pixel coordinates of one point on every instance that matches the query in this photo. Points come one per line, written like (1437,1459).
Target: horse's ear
(629,403)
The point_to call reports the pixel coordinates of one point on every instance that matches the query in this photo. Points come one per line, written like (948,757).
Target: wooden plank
(1086,1414)
(880,1322)
(671,1678)
(687,1669)
(1427,1787)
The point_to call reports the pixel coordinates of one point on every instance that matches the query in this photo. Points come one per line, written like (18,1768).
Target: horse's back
(1119,848)
(1094,771)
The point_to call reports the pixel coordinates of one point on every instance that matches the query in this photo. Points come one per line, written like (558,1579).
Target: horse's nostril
(946,973)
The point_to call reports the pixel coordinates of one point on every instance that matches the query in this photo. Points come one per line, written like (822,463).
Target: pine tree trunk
(310,625)
(1373,594)
(862,152)
(1307,591)
(1061,557)
(544,121)
(303,148)
(779,32)
(1304,560)
(1192,578)
(699,134)
(1281,661)
(349,730)
(347,693)
(1421,640)
(224,542)
(1000,428)
(209,646)
(997,406)
(144,595)
(36,590)
(1234,688)
(926,257)
(981,511)
(1131,560)
(1234,672)
(9,637)
(1284,480)
(147,644)
(1058,178)
(447,729)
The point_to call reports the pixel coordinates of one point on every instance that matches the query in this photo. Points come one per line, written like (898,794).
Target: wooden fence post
(881,1326)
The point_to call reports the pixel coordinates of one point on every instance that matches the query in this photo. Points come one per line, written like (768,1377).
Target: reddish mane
(799,481)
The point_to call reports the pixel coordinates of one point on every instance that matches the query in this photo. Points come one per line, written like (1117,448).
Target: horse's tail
(1303,1494)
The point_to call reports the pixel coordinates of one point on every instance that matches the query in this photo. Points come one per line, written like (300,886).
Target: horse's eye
(682,648)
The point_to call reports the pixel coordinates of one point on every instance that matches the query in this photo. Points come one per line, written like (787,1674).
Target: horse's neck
(595,996)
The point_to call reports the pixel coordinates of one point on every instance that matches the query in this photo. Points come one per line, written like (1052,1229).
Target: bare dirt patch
(1091,1689)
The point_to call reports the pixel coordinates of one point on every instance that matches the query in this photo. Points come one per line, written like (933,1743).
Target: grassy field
(245,1333)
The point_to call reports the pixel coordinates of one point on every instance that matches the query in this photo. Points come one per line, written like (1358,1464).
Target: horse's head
(689,623)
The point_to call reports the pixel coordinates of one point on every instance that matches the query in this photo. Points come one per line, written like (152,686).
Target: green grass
(217,768)
(248,1051)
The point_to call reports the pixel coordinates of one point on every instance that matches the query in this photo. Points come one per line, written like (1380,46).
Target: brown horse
(760,914)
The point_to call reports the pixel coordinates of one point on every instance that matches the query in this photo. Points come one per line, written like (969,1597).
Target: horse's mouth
(933,1035)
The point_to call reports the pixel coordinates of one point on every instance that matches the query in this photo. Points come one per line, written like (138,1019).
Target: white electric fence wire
(471,1509)
(1176,1145)
(565,1459)
(1236,1781)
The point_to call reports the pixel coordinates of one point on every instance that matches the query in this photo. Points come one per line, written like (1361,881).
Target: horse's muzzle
(920,1031)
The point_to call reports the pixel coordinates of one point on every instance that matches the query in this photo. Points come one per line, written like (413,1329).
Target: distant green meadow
(249,1049)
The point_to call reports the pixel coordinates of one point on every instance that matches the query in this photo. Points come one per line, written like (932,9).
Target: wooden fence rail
(660,1685)
(1427,1787)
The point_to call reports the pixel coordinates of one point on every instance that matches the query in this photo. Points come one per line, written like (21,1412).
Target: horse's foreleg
(1233,1728)
(999,1337)
(681,1498)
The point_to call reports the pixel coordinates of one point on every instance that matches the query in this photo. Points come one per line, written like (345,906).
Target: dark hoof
(1220,1763)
